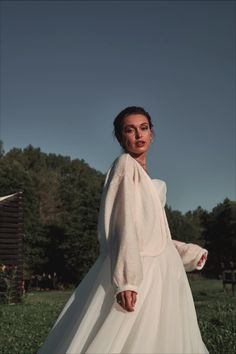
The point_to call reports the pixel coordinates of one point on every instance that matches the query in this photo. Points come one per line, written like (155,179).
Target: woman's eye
(145,127)
(129,130)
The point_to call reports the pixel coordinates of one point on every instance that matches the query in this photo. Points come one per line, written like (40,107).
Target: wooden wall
(11,236)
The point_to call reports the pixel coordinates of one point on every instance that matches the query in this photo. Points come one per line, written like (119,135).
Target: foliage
(1,149)
(7,284)
(220,235)
(61,202)
(215,230)
(187,227)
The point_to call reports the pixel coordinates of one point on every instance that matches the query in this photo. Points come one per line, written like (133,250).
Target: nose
(138,133)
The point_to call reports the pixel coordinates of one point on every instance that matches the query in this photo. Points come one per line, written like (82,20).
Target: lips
(140,143)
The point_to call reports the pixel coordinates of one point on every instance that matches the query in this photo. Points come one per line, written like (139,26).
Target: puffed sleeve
(126,264)
(163,191)
(191,255)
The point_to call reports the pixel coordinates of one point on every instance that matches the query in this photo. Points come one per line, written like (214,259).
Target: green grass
(49,297)
(216,315)
(24,327)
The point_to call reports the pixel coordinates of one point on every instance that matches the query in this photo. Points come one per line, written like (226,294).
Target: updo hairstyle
(119,120)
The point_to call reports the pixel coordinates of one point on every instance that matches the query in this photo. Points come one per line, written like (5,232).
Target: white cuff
(126,287)
(204,261)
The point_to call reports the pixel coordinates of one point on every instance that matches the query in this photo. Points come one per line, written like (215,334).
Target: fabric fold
(124,247)
(191,254)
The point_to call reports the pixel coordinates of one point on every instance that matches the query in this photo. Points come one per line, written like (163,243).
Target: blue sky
(68,68)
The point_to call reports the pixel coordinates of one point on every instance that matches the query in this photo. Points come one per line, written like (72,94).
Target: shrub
(8,289)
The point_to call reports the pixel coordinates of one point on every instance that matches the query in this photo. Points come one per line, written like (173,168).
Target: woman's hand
(202,259)
(127,299)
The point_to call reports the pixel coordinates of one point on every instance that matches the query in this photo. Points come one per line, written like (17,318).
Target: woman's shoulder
(123,164)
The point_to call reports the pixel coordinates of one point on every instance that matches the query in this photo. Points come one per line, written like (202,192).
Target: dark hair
(119,120)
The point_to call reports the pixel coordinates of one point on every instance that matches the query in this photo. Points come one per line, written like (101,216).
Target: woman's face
(136,134)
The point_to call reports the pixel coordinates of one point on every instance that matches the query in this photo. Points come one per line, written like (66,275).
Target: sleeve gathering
(126,264)
(191,255)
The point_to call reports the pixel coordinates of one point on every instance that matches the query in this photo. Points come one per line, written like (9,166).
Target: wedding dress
(136,253)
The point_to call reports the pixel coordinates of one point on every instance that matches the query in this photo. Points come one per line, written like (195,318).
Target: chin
(138,151)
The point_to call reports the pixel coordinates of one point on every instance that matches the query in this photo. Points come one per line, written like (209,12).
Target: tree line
(61,204)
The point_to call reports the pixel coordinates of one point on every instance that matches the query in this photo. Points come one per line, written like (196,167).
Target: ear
(151,136)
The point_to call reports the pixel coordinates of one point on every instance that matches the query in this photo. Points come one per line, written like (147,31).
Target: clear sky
(68,68)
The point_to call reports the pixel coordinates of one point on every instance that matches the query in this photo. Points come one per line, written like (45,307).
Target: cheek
(128,140)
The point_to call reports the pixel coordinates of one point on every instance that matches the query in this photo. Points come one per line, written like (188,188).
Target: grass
(24,327)
(216,315)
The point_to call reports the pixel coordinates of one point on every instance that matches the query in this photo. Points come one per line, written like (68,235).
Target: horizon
(77,158)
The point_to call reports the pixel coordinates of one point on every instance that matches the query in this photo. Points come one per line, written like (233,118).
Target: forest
(61,202)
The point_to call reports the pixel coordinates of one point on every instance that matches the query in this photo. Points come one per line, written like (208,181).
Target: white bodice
(161,187)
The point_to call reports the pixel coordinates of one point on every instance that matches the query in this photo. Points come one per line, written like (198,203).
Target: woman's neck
(142,160)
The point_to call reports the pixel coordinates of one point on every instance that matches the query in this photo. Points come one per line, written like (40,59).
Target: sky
(69,67)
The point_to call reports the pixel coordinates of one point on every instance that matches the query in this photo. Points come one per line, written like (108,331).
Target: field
(24,327)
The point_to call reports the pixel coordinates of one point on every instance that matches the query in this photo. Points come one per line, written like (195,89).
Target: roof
(7,196)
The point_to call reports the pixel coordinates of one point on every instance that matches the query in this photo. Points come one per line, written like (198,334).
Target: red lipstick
(140,143)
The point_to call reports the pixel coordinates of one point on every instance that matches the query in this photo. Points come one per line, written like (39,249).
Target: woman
(136,297)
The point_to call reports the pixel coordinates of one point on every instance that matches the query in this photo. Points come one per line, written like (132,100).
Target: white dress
(137,253)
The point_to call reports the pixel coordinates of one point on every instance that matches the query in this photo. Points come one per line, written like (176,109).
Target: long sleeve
(191,255)
(126,261)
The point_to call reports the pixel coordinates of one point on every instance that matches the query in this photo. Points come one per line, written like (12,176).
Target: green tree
(220,235)
(14,178)
(2,152)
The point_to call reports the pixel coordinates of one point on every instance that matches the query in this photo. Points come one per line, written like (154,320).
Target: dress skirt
(164,319)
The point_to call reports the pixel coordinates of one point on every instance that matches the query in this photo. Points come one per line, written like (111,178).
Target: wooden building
(11,238)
